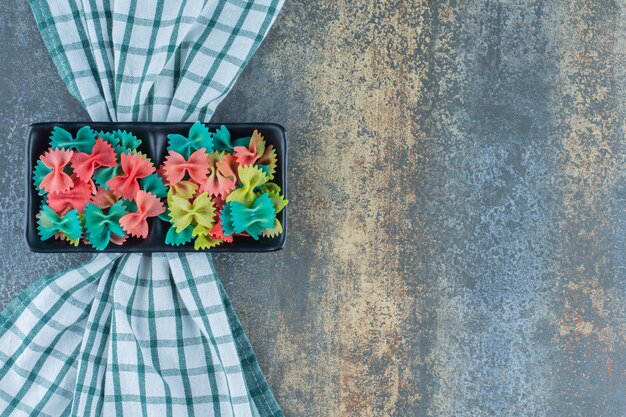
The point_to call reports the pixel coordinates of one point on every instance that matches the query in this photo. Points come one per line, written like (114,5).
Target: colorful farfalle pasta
(135,166)
(177,166)
(136,223)
(220,188)
(98,188)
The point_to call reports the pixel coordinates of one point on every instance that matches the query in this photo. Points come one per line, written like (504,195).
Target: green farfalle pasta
(83,142)
(182,189)
(205,242)
(165,216)
(200,229)
(49,223)
(63,236)
(273,231)
(100,224)
(109,137)
(122,141)
(184,213)
(250,177)
(273,190)
(203,239)
(39,172)
(127,139)
(129,205)
(103,174)
(254,219)
(175,239)
(73,242)
(199,137)
(221,140)
(154,184)
(226,220)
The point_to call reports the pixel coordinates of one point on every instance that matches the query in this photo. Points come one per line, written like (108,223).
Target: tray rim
(28,167)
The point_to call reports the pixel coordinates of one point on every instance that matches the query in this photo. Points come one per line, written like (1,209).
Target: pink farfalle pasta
(217,232)
(57,180)
(161,173)
(222,178)
(148,205)
(218,202)
(76,197)
(227,166)
(134,166)
(118,240)
(102,155)
(238,182)
(104,198)
(269,159)
(249,155)
(176,167)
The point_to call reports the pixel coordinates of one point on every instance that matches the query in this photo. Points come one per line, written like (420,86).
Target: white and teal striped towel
(140,334)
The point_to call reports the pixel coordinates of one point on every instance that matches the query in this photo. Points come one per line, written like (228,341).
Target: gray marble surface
(457,210)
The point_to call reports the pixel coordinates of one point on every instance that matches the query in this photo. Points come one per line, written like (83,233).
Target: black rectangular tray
(154,144)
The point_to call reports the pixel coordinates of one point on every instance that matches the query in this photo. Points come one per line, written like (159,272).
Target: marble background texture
(456,241)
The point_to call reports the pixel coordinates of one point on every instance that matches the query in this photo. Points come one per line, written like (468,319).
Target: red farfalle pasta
(92,185)
(104,198)
(248,156)
(148,205)
(118,240)
(222,177)
(227,166)
(217,232)
(102,155)
(56,181)
(176,166)
(161,173)
(76,197)
(218,203)
(134,166)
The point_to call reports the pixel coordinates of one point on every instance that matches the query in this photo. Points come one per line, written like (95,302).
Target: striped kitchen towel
(138,334)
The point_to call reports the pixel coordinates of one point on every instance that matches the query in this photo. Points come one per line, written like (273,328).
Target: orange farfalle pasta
(102,155)
(222,178)
(248,156)
(56,181)
(135,166)
(176,166)
(76,197)
(148,205)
